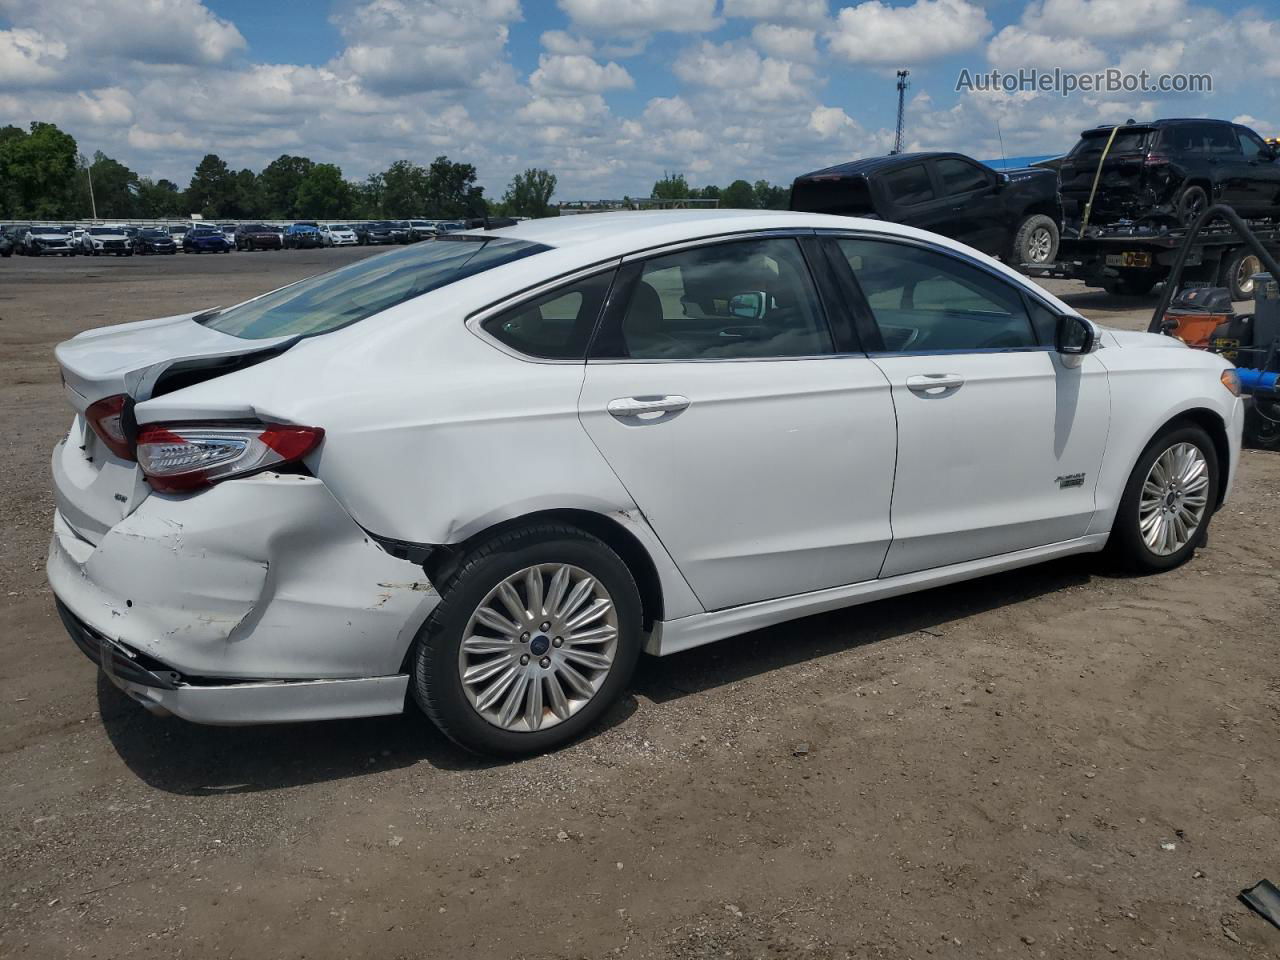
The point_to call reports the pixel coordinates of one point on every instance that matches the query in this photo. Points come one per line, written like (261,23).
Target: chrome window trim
(663,250)
(476,319)
(1026,288)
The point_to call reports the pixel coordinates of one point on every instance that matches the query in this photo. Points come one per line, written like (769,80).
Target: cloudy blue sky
(606,93)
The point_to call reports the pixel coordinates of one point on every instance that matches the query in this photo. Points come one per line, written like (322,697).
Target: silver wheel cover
(1175,496)
(538,647)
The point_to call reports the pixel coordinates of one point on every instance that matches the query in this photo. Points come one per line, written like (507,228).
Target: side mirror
(1074,336)
(749,306)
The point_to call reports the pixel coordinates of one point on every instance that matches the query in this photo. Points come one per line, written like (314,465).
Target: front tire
(1035,241)
(536,635)
(1168,502)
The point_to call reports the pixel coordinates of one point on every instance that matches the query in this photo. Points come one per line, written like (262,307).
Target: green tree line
(43,176)
(740,194)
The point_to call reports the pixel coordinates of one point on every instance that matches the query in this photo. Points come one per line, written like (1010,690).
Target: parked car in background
(153,240)
(377,232)
(1171,169)
(449,226)
(400,231)
(258,236)
(178,231)
(45,241)
(109,239)
(918,414)
(299,236)
(7,242)
(338,235)
(228,231)
(205,239)
(421,230)
(1015,215)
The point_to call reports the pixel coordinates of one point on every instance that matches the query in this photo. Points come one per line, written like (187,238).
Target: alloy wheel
(1175,496)
(1245,269)
(538,647)
(1039,245)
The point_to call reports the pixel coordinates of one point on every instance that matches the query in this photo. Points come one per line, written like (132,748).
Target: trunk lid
(94,488)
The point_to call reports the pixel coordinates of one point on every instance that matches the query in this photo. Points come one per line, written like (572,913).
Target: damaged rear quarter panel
(260,578)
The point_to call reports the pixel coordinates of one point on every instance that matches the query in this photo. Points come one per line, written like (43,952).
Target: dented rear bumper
(250,601)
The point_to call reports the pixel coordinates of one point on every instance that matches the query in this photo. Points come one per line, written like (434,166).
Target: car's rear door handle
(647,409)
(935,384)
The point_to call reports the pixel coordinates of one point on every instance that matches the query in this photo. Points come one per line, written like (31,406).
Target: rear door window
(332,300)
(908,186)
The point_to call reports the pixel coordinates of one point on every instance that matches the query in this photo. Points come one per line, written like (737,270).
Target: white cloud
(631,17)
(29,59)
(811,12)
(560,41)
(1015,47)
(875,33)
(669,112)
(827,122)
(575,73)
(719,65)
(406,46)
(788,43)
(1103,18)
(564,111)
(142,31)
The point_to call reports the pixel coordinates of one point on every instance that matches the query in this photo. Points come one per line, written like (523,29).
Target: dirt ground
(1056,762)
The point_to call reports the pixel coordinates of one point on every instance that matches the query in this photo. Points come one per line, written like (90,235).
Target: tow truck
(1130,258)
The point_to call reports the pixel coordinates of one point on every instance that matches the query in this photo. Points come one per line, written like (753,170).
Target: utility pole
(88,169)
(903,83)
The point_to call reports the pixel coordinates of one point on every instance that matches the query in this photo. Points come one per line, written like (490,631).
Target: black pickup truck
(1016,216)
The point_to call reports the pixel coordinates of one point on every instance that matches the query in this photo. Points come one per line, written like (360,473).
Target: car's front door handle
(646,409)
(935,384)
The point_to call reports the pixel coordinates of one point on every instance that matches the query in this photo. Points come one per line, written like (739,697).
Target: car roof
(602,235)
(869,165)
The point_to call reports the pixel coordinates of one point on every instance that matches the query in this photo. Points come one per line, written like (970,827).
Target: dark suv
(1171,169)
(1014,215)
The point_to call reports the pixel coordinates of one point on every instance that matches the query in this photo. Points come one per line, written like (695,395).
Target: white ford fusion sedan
(488,470)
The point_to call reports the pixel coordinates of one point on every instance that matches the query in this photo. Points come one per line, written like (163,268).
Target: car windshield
(332,300)
(206,232)
(338,226)
(102,231)
(154,233)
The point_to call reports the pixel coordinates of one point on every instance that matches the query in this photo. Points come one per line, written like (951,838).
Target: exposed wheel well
(443,559)
(1050,210)
(1212,424)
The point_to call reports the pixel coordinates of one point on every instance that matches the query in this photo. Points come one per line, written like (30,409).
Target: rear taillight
(1155,160)
(179,457)
(107,418)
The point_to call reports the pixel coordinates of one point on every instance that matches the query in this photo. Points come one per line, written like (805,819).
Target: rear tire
(438,660)
(1262,424)
(1156,500)
(1191,201)
(1035,241)
(1237,273)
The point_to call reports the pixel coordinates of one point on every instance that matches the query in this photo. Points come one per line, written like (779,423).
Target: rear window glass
(332,300)
(844,197)
(1126,141)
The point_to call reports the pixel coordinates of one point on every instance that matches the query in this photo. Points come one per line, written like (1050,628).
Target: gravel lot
(1056,762)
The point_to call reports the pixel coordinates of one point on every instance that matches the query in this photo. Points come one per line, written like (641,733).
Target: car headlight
(1231,380)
